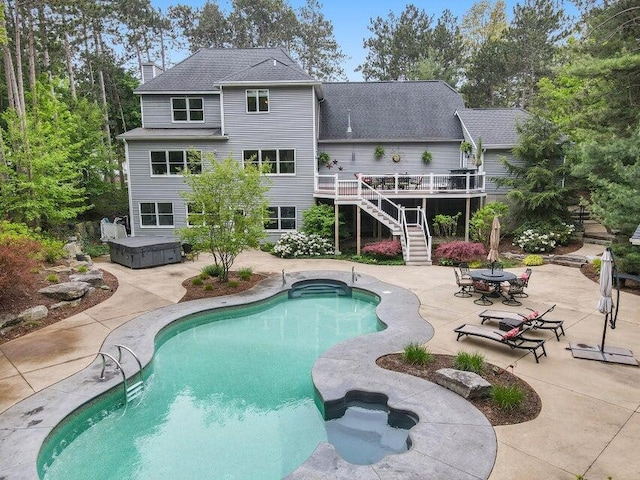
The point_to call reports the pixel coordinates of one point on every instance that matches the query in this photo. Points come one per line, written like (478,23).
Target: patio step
(575,261)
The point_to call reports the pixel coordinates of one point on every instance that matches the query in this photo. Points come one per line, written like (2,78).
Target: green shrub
(597,264)
(267,247)
(481,220)
(469,362)
(82,269)
(197,281)
(245,273)
(212,270)
(416,354)
(51,250)
(47,248)
(446,225)
(320,220)
(507,397)
(533,260)
(95,250)
(233,283)
(476,264)
(53,278)
(630,263)
(208,287)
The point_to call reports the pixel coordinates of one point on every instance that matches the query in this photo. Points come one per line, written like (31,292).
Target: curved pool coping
(452,440)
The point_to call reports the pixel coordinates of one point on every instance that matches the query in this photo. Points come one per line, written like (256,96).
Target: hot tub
(145,252)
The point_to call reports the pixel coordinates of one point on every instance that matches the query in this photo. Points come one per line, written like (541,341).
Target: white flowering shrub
(297,244)
(534,241)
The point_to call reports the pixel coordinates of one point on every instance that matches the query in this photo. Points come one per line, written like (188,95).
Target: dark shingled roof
(496,126)
(208,68)
(401,111)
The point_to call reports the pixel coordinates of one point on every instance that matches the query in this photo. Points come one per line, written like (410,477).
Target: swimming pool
(229,396)
(451,440)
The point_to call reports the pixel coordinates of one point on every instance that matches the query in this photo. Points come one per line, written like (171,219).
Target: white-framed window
(281,218)
(257,101)
(175,162)
(156,214)
(187,109)
(279,161)
(192,210)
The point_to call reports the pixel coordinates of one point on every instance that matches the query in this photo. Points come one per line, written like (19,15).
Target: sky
(351,19)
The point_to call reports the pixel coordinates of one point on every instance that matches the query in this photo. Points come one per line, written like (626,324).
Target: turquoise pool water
(229,396)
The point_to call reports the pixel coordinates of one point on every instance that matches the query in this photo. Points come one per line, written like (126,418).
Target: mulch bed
(32,298)
(218,288)
(529,409)
(630,286)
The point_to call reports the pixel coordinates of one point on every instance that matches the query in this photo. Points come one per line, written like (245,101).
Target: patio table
(496,277)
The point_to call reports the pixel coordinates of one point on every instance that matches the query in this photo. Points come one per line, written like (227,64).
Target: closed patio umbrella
(494,241)
(605,304)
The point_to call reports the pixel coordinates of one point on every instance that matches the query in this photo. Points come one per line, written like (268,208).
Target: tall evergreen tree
(316,48)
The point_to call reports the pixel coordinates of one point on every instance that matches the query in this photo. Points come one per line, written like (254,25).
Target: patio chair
(514,338)
(510,290)
(484,289)
(533,320)
(464,270)
(525,280)
(465,284)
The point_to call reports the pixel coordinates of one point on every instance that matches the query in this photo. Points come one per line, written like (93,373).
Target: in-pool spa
(228,395)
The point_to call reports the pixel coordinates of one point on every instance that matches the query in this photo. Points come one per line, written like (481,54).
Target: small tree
(228,208)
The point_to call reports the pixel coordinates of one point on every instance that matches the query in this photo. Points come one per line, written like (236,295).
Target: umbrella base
(609,355)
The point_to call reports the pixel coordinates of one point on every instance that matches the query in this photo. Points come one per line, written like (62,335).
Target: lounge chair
(533,320)
(513,338)
(465,284)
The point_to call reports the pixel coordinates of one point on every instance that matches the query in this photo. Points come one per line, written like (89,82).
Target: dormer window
(187,109)
(257,101)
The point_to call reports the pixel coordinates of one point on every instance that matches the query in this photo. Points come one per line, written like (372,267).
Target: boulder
(8,320)
(94,277)
(33,314)
(63,304)
(466,384)
(72,249)
(66,290)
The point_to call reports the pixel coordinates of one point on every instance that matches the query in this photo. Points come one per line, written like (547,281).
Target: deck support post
(358,229)
(336,228)
(466,219)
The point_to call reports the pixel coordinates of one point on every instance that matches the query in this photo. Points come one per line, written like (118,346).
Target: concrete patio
(589,424)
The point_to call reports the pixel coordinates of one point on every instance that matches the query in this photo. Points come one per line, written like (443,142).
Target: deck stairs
(410,225)
(418,247)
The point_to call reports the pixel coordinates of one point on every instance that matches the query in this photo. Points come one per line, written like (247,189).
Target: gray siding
(156,112)
(359,158)
(288,125)
(494,168)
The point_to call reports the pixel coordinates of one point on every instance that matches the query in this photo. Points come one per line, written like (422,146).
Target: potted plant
(426,157)
(324,158)
(466,148)
(396,157)
(378,153)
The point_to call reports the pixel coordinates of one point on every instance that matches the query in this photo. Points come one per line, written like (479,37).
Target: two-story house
(390,151)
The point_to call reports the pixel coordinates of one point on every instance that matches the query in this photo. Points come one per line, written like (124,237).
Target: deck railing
(403,184)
